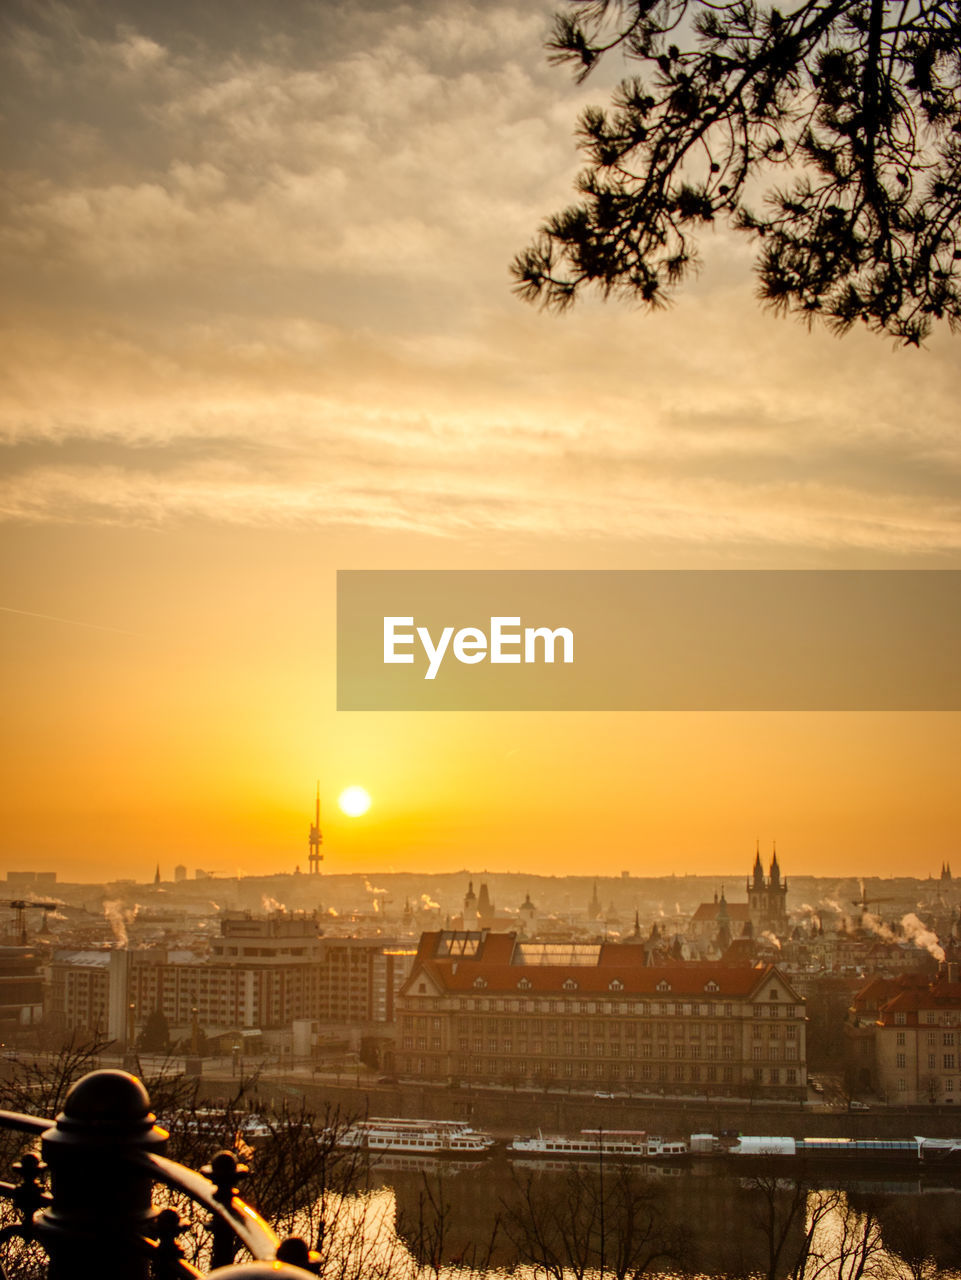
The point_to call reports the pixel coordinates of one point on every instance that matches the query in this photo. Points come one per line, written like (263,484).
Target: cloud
(259,275)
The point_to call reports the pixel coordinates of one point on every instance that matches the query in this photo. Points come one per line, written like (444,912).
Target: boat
(615,1144)
(394,1136)
(884,1150)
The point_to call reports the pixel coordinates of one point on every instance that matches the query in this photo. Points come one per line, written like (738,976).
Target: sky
(258,326)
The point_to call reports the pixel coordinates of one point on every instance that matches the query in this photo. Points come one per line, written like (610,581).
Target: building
(21,989)
(767,899)
(903,1038)
(492,1007)
(721,921)
(263,973)
(78,993)
(360,979)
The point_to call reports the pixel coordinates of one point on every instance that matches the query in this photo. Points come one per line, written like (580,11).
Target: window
(947,1038)
(901,1061)
(901,1037)
(902,1086)
(711,986)
(948,1062)
(663,985)
(900,1019)
(615,985)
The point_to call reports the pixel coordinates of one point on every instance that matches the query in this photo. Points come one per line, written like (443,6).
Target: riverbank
(506,1112)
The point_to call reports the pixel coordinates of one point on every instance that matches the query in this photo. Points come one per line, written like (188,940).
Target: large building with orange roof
(494,1008)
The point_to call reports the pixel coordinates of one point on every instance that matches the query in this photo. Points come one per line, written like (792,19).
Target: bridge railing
(87,1199)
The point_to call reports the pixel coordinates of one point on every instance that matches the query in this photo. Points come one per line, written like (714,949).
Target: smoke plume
(920,936)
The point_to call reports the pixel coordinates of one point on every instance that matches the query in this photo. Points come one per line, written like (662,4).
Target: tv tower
(315,857)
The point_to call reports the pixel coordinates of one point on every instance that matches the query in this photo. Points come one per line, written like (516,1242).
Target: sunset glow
(258,327)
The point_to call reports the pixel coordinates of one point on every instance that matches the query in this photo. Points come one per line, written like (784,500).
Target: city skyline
(258,327)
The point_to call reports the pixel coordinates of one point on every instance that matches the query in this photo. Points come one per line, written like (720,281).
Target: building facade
(904,1038)
(488,1007)
(263,972)
(767,898)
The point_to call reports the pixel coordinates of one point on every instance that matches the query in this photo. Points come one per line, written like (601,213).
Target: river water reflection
(702,1220)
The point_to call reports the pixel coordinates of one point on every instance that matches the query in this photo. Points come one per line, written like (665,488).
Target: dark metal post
(224,1171)
(101,1187)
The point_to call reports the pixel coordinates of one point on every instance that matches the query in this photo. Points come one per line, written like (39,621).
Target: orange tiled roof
(494,962)
(708,912)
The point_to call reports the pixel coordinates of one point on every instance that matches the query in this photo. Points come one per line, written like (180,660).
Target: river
(443,1218)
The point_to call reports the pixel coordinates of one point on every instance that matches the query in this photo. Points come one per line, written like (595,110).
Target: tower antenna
(315,857)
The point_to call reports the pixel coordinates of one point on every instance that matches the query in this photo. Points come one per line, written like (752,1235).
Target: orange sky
(257,326)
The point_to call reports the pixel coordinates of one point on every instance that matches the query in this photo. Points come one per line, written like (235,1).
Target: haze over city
(258,327)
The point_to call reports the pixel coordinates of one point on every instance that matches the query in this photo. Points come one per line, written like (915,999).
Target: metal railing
(102,1157)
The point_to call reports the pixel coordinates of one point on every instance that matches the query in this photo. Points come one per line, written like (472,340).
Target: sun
(354,801)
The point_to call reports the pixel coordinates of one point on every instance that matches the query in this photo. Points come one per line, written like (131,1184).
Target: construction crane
(19,907)
(863,903)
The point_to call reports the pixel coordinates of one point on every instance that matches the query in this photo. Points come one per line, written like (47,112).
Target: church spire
(758,869)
